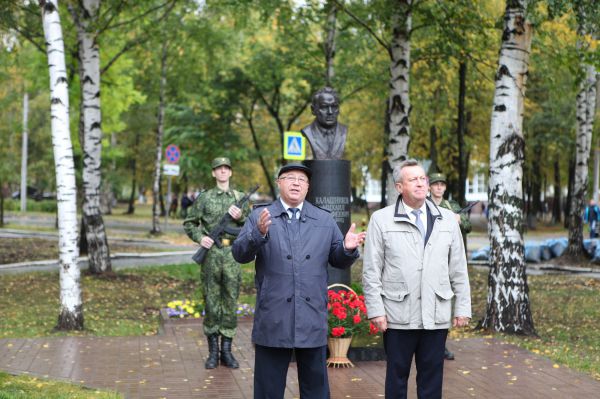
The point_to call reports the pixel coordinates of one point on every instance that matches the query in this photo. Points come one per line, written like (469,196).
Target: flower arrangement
(188,308)
(185,308)
(347,314)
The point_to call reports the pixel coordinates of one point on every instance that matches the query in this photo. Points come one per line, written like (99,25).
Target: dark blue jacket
(591,213)
(291,277)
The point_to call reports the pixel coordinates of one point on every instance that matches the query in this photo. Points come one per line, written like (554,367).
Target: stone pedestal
(330,189)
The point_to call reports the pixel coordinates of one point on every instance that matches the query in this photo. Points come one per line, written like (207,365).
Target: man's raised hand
(353,239)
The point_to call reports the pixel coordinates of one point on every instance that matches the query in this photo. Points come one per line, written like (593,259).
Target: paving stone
(172,366)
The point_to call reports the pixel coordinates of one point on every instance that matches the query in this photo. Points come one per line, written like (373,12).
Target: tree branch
(128,46)
(142,15)
(112,17)
(29,38)
(295,115)
(380,40)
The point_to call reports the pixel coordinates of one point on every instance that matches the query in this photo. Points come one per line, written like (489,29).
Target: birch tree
(90,135)
(71,307)
(508,308)
(159,140)
(398,105)
(587,15)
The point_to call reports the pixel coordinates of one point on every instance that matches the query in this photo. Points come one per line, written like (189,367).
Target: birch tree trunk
(399,100)
(85,16)
(586,104)
(159,142)
(71,307)
(461,131)
(557,201)
(508,308)
(330,43)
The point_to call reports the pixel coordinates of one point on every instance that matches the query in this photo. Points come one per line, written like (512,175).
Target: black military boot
(227,358)
(213,352)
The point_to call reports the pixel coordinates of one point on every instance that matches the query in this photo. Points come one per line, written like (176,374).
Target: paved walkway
(171,366)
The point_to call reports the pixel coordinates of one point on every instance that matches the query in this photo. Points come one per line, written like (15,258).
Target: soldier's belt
(226,242)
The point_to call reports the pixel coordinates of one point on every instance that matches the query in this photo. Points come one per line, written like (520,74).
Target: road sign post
(172,154)
(171,168)
(295,146)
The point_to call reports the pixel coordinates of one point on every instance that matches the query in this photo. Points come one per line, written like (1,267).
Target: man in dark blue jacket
(292,242)
(591,215)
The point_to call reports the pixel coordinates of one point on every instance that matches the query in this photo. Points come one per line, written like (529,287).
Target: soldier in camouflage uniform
(221,275)
(437,188)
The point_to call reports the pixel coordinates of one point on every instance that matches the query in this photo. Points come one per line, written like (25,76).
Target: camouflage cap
(220,162)
(437,177)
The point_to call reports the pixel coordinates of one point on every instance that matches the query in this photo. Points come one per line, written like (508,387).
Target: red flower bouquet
(347,314)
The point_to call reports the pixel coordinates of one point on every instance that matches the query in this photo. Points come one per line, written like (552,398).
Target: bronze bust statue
(325,135)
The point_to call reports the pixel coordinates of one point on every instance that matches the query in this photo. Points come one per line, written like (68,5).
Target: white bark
(586,107)
(90,134)
(71,307)
(508,299)
(399,99)
(159,142)
(24,153)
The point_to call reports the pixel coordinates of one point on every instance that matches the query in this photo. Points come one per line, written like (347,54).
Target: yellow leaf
(556,366)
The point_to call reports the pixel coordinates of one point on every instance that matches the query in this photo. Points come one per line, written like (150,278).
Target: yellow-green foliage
(25,387)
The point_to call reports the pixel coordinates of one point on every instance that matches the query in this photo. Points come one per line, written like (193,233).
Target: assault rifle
(467,208)
(223,227)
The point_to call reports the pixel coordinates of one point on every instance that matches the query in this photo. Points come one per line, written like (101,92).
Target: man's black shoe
(448,355)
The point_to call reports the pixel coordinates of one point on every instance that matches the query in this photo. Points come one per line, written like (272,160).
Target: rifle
(467,208)
(223,227)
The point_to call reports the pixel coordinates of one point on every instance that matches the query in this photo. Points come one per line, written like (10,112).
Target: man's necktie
(294,222)
(417,213)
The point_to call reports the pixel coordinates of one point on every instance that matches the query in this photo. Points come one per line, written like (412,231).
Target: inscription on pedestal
(338,206)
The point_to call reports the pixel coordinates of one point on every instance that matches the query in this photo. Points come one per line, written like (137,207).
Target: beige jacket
(412,284)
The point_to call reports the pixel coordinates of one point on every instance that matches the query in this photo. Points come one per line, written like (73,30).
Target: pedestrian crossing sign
(295,146)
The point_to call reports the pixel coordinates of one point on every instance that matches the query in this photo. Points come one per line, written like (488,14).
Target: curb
(82,260)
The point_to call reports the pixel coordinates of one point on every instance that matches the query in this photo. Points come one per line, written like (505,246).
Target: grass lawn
(125,304)
(565,308)
(25,387)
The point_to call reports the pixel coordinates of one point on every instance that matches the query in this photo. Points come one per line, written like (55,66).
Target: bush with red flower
(347,314)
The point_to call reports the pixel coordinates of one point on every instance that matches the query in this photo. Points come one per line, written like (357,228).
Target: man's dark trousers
(428,349)
(271,367)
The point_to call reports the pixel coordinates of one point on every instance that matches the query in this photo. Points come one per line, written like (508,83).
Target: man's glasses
(293,179)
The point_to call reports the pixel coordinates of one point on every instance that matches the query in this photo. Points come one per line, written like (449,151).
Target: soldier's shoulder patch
(256,206)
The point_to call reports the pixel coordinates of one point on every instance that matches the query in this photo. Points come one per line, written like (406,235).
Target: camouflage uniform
(465,223)
(221,275)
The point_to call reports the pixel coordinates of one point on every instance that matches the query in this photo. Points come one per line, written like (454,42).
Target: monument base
(330,189)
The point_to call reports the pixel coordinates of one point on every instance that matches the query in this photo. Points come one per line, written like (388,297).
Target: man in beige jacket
(414,265)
